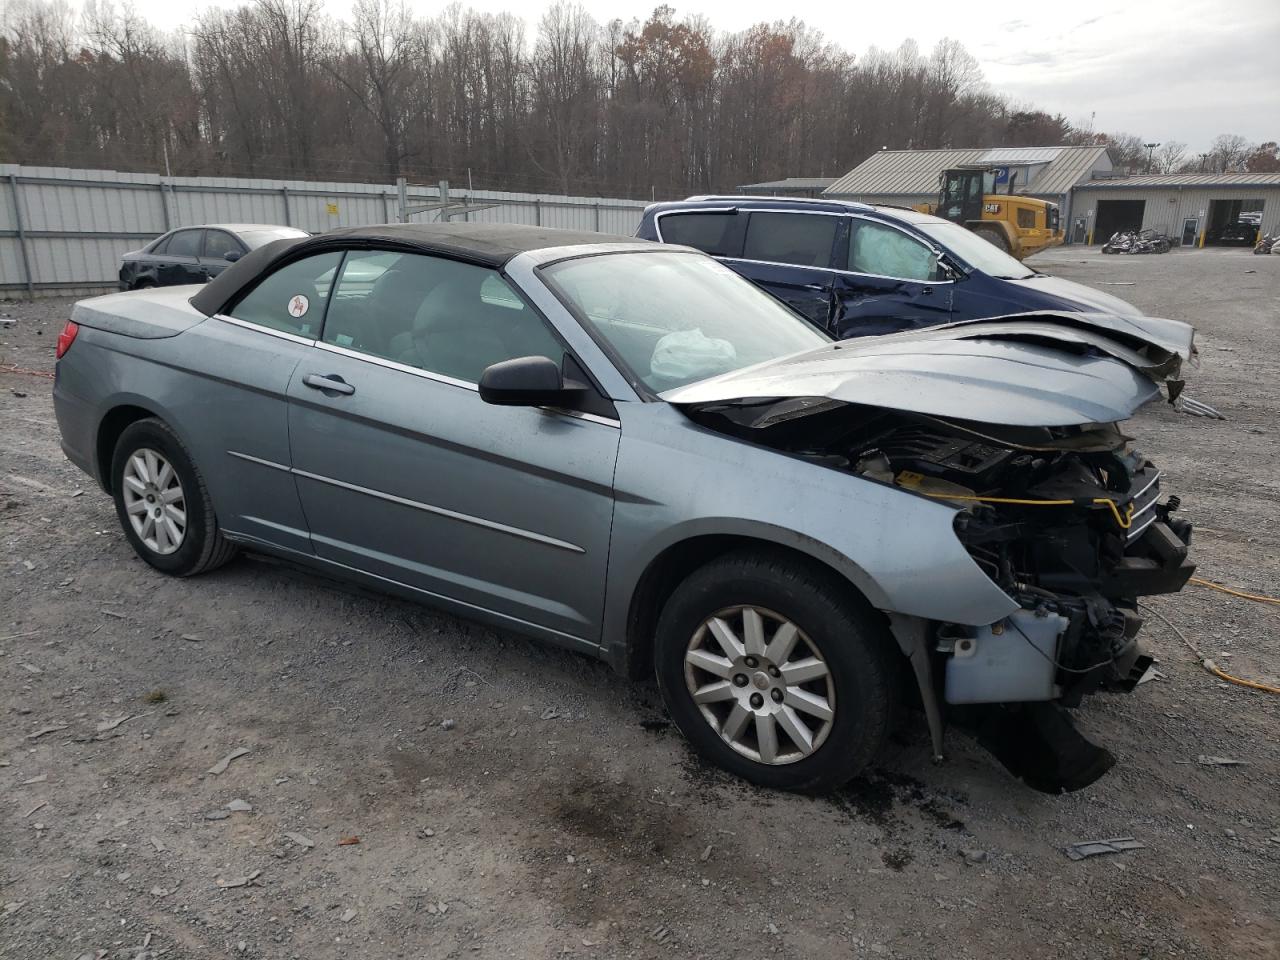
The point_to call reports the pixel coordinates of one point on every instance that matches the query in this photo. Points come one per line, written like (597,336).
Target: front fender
(898,549)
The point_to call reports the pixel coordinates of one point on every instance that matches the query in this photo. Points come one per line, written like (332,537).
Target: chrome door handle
(329,383)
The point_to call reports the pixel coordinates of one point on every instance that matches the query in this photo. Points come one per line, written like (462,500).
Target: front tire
(162,503)
(772,670)
(995,237)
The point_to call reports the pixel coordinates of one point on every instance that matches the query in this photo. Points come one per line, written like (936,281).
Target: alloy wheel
(761,683)
(154,501)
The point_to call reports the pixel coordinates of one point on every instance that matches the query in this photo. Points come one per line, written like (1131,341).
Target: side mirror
(528,382)
(231,256)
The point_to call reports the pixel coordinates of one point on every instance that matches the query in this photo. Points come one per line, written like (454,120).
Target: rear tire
(995,237)
(162,502)
(820,698)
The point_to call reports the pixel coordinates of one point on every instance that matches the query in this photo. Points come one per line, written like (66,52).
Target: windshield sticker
(299,306)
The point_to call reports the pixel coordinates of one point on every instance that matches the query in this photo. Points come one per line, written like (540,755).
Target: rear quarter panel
(221,388)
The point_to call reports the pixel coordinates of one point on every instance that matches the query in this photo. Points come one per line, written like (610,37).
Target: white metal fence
(63,231)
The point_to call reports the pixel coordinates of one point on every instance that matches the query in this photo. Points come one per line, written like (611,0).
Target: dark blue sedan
(857,270)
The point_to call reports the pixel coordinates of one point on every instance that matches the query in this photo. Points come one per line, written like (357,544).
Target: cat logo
(991,208)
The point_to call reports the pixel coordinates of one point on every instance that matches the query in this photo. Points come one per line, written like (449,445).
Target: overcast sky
(1162,69)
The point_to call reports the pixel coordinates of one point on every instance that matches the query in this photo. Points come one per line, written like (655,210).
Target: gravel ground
(556,812)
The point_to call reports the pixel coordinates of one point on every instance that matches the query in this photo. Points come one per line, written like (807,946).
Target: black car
(194,254)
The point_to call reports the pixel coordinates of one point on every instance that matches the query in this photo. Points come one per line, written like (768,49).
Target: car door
(180,262)
(245,358)
(893,281)
(218,244)
(789,254)
(406,474)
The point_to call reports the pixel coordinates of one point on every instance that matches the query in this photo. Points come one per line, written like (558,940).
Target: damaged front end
(1068,521)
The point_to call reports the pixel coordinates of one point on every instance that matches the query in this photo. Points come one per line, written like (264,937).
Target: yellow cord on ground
(1260,598)
(1208,664)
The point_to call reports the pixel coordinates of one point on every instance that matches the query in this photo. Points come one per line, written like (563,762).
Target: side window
(218,243)
(1026,218)
(804,239)
(160,246)
(719,234)
(184,243)
(887,252)
(439,315)
(292,298)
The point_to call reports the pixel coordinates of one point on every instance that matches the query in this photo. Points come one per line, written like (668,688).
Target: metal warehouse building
(1196,209)
(907,177)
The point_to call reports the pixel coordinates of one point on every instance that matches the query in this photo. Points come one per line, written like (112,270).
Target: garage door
(1116,215)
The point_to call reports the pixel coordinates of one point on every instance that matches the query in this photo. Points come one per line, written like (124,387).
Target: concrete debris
(1209,761)
(549,714)
(706,854)
(300,840)
(975,857)
(107,725)
(448,724)
(245,881)
(157,844)
(1094,848)
(239,806)
(217,815)
(40,779)
(772,928)
(192,638)
(52,728)
(221,765)
(31,669)
(347,915)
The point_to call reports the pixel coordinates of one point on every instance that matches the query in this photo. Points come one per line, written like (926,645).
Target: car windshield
(675,318)
(975,251)
(260,238)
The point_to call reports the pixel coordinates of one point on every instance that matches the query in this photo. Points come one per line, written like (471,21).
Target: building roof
(791,183)
(1186,180)
(911,173)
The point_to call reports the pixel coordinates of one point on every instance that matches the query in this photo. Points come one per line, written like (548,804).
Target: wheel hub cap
(761,684)
(154,501)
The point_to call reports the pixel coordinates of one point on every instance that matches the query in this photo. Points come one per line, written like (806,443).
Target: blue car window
(886,252)
(718,233)
(804,239)
(291,299)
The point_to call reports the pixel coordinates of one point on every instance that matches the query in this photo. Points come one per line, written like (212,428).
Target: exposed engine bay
(1068,521)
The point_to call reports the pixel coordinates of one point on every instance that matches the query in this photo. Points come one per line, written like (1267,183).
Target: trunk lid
(149,314)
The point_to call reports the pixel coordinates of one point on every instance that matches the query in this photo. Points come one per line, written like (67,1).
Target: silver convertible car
(629,450)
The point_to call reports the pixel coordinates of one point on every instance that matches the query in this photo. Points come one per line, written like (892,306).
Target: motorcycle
(1137,241)
(1121,242)
(1269,243)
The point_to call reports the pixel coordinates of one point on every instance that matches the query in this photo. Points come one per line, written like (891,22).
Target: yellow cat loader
(1018,225)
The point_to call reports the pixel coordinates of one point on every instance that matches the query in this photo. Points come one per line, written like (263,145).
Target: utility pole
(1150,147)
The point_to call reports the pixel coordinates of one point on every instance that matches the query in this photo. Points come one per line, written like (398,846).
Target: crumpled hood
(1034,370)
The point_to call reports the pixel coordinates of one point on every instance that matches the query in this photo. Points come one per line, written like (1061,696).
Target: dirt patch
(596,832)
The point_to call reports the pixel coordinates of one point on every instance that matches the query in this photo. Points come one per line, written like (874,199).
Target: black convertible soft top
(485,244)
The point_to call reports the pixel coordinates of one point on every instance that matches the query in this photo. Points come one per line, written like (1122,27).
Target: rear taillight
(66,338)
